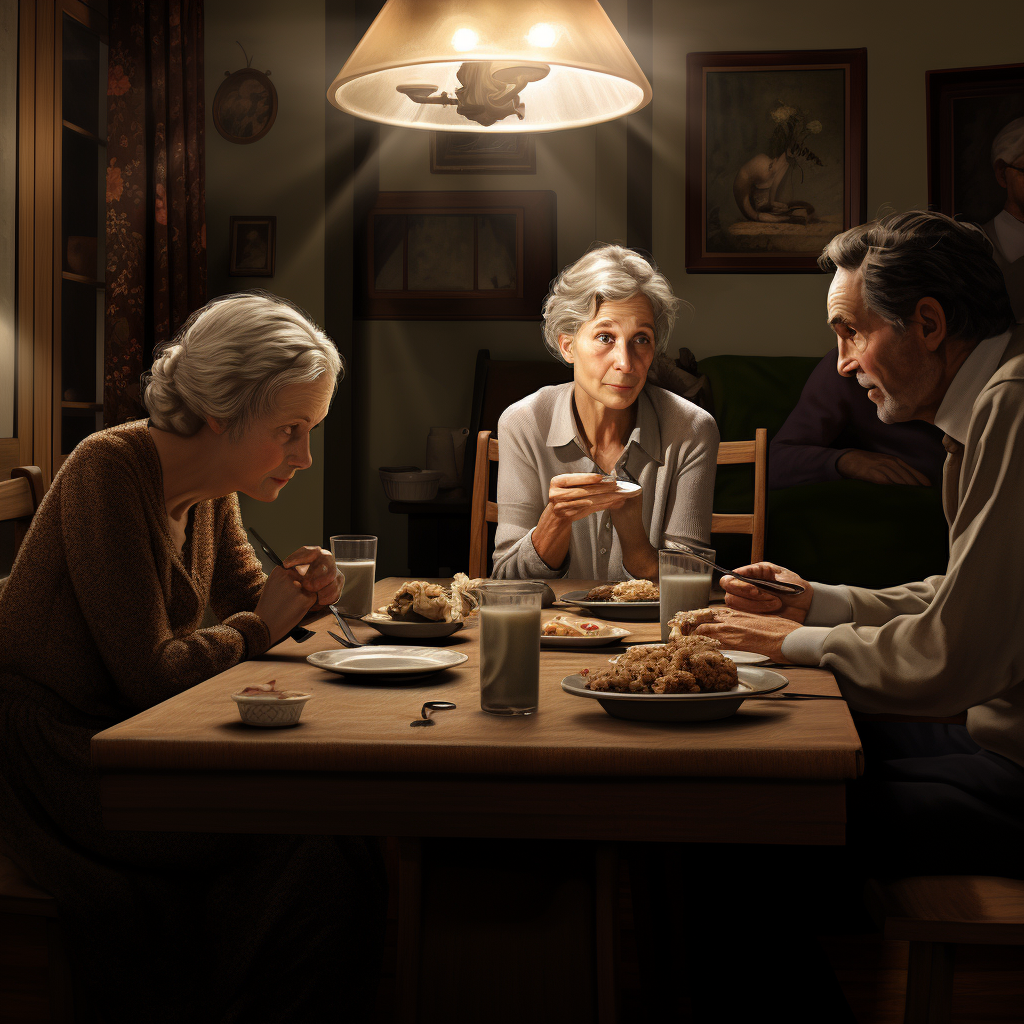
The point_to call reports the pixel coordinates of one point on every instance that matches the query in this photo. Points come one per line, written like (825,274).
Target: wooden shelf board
(90,406)
(85,132)
(81,279)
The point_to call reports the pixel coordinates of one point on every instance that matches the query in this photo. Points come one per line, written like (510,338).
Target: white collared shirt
(1010,233)
(954,413)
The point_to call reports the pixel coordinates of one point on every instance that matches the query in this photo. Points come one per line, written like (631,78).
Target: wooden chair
(733,453)
(483,511)
(19,499)
(31,936)
(936,913)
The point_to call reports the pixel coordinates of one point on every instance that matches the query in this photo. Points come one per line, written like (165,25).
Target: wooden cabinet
(61,193)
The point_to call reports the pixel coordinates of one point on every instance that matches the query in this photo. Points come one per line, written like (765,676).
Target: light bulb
(542,34)
(465,39)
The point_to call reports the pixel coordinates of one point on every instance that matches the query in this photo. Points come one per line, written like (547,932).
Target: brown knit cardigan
(100,607)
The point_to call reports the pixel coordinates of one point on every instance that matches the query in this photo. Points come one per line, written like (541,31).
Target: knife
(299,634)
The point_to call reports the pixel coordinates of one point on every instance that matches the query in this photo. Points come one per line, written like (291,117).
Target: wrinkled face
(612,353)
(893,367)
(272,449)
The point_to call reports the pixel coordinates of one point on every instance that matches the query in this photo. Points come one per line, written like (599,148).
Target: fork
(350,639)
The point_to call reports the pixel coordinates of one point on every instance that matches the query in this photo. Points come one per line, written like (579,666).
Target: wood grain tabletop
(353,724)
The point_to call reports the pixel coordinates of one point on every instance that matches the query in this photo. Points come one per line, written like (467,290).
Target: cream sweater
(954,642)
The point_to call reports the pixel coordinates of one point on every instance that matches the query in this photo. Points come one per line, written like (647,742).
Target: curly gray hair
(231,361)
(607,272)
(904,257)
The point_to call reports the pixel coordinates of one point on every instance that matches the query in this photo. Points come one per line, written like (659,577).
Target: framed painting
(253,246)
(967,109)
(776,157)
(459,256)
(482,153)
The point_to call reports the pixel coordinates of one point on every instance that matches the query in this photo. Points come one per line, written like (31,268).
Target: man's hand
(878,468)
(739,631)
(745,597)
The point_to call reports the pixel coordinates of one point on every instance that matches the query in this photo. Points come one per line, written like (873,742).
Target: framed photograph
(245,106)
(253,246)
(967,108)
(459,255)
(482,153)
(776,157)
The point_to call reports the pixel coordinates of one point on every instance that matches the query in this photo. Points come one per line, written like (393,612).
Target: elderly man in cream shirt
(924,323)
(1006,229)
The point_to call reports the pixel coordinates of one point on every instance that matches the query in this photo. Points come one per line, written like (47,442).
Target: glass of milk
(684,582)
(355,555)
(509,646)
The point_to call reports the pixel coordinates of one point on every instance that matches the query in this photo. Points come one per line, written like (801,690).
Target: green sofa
(844,531)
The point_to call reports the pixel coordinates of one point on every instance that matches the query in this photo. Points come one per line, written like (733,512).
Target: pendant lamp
(490,66)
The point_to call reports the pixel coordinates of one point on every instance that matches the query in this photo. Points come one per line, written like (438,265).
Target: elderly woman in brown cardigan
(100,618)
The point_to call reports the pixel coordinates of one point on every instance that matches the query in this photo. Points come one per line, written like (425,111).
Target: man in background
(1006,229)
(833,433)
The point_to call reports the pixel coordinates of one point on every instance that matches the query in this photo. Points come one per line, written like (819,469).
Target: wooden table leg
(410,875)
(929,983)
(606,891)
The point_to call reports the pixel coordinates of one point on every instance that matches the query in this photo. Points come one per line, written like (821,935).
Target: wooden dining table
(774,773)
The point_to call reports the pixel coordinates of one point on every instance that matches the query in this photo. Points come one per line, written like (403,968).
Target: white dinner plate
(624,611)
(387,661)
(410,630)
(681,707)
(608,634)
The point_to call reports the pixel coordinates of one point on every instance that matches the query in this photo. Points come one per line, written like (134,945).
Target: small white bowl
(412,485)
(270,711)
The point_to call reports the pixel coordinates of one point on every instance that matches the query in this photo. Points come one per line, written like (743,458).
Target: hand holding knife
(299,634)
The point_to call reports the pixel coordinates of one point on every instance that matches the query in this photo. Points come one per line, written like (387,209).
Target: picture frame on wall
(253,246)
(458,256)
(776,157)
(482,153)
(967,108)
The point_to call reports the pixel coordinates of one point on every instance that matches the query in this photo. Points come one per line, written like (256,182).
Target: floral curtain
(156,188)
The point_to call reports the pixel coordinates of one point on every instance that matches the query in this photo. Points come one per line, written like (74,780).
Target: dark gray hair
(607,272)
(232,359)
(907,256)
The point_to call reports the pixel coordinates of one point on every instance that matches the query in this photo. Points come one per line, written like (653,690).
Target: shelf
(81,279)
(87,406)
(84,131)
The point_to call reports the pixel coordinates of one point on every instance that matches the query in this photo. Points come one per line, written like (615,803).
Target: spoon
(772,586)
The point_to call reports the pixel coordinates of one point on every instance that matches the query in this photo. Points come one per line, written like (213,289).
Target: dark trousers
(932,802)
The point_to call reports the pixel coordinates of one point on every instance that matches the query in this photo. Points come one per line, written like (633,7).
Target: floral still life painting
(774,162)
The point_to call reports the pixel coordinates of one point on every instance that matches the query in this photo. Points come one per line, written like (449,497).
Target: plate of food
(387,660)
(736,657)
(419,610)
(632,600)
(685,680)
(570,631)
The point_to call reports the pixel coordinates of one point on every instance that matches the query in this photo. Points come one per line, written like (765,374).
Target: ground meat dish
(693,664)
(630,590)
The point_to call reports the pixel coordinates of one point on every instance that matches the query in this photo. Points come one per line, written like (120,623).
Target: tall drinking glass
(509,646)
(355,554)
(684,582)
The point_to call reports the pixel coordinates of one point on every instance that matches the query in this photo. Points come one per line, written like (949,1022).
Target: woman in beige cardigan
(100,618)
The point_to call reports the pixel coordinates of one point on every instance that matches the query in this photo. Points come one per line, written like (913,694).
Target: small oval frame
(232,80)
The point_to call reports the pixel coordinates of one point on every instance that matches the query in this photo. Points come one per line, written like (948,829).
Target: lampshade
(490,66)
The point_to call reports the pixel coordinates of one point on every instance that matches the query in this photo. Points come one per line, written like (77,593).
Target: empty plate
(387,661)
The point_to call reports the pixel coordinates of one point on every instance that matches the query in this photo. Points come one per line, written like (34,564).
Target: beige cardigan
(101,609)
(955,642)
